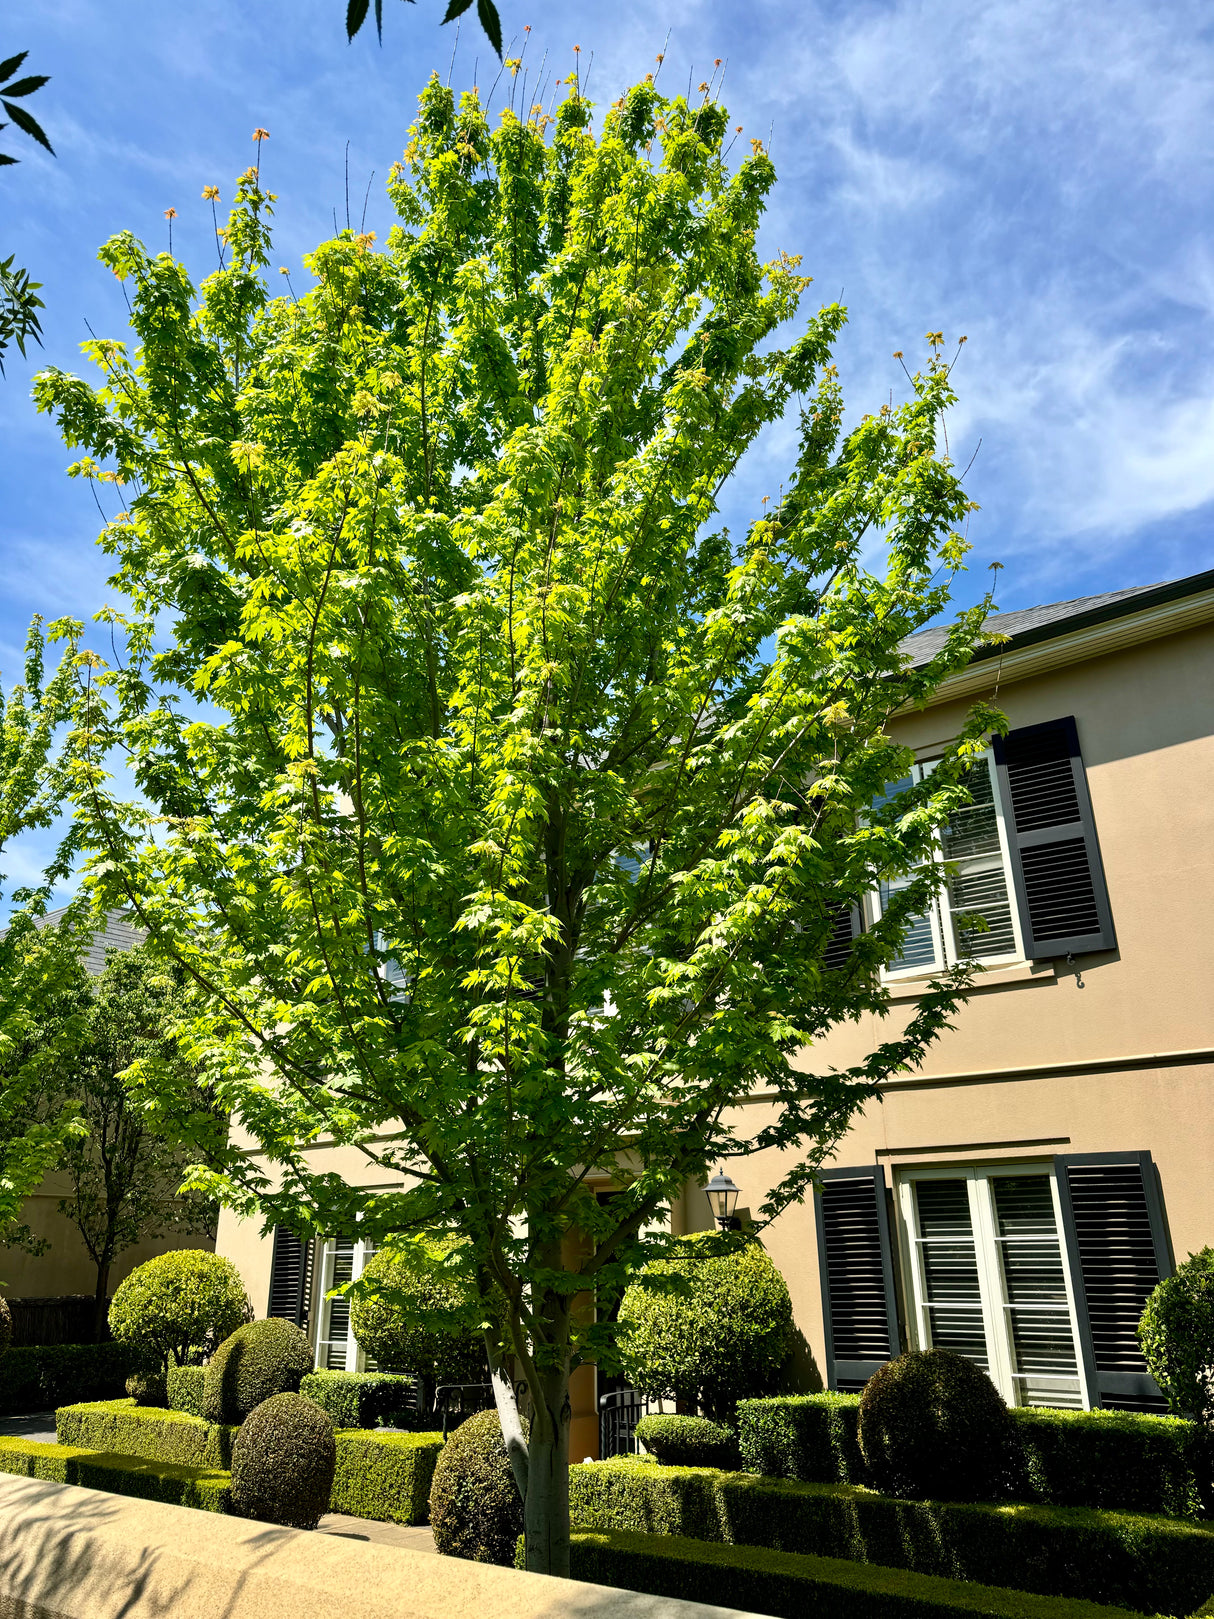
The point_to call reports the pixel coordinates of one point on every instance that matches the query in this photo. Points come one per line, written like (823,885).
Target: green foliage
(363,1399)
(810,1437)
(710,1326)
(486,12)
(475,1510)
(12,87)
(259,1360)
(19,306)
(283,1463)
(411,1315)
(126,1429)
(185,1385)
(932,1424)
(789,1585)
(6,1326)
(125,1177)
(36,1378)
(178,1307)
(455,713)
(148,1385)
(1177,1337)
(688,1441)
(386,1476)
(204,1488)
(1153,1564)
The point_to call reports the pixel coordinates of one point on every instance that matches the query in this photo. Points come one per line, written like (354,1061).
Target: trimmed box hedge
(789,1585)
(207,1489)
(185,1385)
(1155,1564)
(38,1377)
(362,1399)
(379,1475)
(123,1428)
(1123,1460)
(385,1475)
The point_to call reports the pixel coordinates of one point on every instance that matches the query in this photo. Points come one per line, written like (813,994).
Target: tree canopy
(500,804)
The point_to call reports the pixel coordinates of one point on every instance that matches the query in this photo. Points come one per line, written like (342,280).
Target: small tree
(1177,1337)
(126,1177)
(176,1309)
(524,800)
(709,1327)
(412,1316)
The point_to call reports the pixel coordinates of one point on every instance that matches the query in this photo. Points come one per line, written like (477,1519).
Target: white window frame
(939,912)
(995,1313)
(356,1359)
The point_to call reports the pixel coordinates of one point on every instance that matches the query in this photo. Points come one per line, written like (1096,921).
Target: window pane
(979,887)
(974,829)
(1045,1363)
(919,944)
(949,1269)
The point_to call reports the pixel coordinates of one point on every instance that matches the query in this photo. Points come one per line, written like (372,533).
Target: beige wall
(1114,1052)
(66,1267)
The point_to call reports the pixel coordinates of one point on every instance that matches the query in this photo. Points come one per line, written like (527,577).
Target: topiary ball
(176,1308)
(709,1326)
(934,1427)
(1177,1337)
(283,1461)
(415,1317)
(259,1360)
(476,1511)
(6,1325)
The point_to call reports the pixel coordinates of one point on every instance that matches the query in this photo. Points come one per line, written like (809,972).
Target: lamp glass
(722,1197)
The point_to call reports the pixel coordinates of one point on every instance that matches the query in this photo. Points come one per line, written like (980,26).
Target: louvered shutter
(1117,1247)
(844,927)
(1060,888)
(856,1264)
(290,1277)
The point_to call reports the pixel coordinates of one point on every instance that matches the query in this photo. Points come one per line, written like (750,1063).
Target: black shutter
(844,928)
(1060,888)
(290,1277)
(856,1264)
(1117,1247)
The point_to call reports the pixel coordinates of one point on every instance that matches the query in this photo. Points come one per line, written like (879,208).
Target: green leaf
(491,23)
(456,9)
(31,126)
(10,65)
(4,157)
(26,87)
(356,16)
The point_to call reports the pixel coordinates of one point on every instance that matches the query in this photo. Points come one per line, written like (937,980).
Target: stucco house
(1018,1197)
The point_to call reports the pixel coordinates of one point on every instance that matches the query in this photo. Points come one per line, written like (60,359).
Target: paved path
(37,1425)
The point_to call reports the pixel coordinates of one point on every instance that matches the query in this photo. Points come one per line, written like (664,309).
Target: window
(973,917)
(342,1260)
(988,1278)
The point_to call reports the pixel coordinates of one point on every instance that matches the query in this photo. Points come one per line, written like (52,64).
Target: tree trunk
(99,1301)
(546,1505)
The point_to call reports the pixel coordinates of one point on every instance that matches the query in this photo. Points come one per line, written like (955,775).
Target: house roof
(1033,624)
(118,934)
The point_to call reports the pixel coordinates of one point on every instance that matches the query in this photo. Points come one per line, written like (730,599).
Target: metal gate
(619,1413)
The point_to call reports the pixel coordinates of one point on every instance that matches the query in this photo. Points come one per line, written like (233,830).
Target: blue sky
(1033,174)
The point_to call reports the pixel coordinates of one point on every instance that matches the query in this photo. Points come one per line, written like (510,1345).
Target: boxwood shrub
(38,1377)
(205,1488)
(283,1462)
(257,1361)
(790,1586)
(185,1389)
(127,1429)
(1124,1460)
(1155,1564)
(362,1399)
(385,1476)
(688,1441)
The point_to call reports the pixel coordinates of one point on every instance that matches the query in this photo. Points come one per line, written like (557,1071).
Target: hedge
(385,1475)
(126,1429)
(185,1389)
(789,1585)
(37,1377)
(1156,1564)
(204,1488)
(379,1475)
(361,1399)
(1102,1459)
(688,1441)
